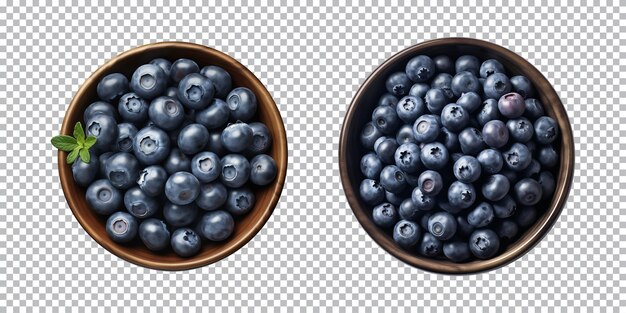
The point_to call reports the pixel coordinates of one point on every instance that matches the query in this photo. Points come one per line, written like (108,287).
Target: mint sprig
(77,146)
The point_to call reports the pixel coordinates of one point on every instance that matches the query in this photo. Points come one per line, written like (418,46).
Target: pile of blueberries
(460,157)
(178,149)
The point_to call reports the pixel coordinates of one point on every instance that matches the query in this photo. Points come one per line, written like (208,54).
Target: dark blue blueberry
(422,201)
(420,68)
(434,155)
(206,166)
(496,86)
(471,141)
(396,198)
(215,115)
(481,216)
(139,204)
(164,64)
(261,139)
(522,85)
(410,108)
(103,198)
(185,242)
(490,161)
(532,170)
(99,107)
(489,67)
(456,156)
(467,169)
(464,82)
(242,104)
(125,136)
(527,191)
(152,180)
(240,201)
(430,246)
(392,179)
(386,119)
(495,134)
(405,135)
(449,139)
(517,157)
(445,205)
(121,227)
(171,92)
(154,234)
(548,184)
(470,101)
(179,215)
(441,80)
(463,228)
(215,144)
(398,84)
(220,78)
(430,183)
(507,230)
(371,166)
(406,233)
(369,135)
(454,117)
(194,137)
(525,216)
(534,109)
(407,158)
(408,210)
(442,225)
(216,225)
(263,171)
(148,81)
(426,128)
(456,251)
(468,63)
(511,105)
(166,113)
(423,221)
(386,149)
(484,243)
(133,109)
(235,170)
(237,137)
(435,100)
(510,175)
(195,91)
(520,129)
(489,112)
(496,187)
(385,215)
(419,90)
(532,146)
(182,188)
(112,86)
(546,130)
(177,161)
(212,196)
(443,64)
(122,169)
(151,145)
(104,128)
(85,173)
(181,68)
(461,195)
(388,99)
(504,207)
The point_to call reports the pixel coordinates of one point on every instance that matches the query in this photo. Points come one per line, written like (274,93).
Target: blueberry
(237,137)
(386,119)
(242,104)
(181,68)
(152,180)
(484,243)
(139,204)
(166,113)
(194,137)
(463,228)
(490,161)
(461,195)
(369,135)
(455,157)
(456,251)
(527,191)
(525,216)
(418,90)
(104,128)
(495,134)
(132,108)
(371,165)
(154,234)
(406,233)
(206,166)
(112,86)
(464,82)
(429,246)
(420,68)
(216,225)
(470,101)
(467,169)
(185,242)
(195,91)
(182,188)
(164,64)
(496,187)
(532,146)
(467,63)
(122,169)
(386,149)
(434,155)
(422,201)
(517,157)
(240,201)
(548,184)
(520,129)
(398,84)
(261,139)
(177,162)
(471,141)
(392,179)
(510,175)
(99,107)
(215,115)
(454,117)
(507,230)
(441,80)
(85,173)
(263,170)
(388,99)
(430,183)
(423,221)
(212,196)
(496,86)
(411,179)
(426,128)
(179,215)
(405,134)
(407,158)
(534,109)
(396,198)
(511,105)
(522,85)
(449,139)
(171,92)
(385,215)
(481,216)
(102,159)
(504,207)
(235,170)
(220,78)
(546,130)
(408,210)
(442,225)
(215,143)
(489,67)
(435,100)
(410,108)
(532,170)
(103,198)
(121,227)
(125,136)
(489,112)
(151,145)
(148,81)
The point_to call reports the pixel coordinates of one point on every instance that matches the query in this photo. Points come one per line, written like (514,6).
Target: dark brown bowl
(359,113)
(247,226)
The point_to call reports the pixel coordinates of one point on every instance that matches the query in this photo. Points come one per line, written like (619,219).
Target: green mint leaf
(72,156)
(79,133)
(84,155)
(89,141)
(64,143)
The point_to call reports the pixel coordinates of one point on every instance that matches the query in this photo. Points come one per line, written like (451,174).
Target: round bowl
(246,226)
(359,113)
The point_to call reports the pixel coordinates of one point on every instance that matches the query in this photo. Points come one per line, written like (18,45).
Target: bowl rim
(565,174)
(65,173)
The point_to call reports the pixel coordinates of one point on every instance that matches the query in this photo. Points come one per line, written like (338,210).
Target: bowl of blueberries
(456,156)
(182,157)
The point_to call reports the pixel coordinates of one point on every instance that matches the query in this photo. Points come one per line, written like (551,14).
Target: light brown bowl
(247,226)
(359,113)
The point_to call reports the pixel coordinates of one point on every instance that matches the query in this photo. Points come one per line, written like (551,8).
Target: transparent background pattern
(312,254)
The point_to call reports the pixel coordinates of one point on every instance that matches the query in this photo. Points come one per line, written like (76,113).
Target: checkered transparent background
(312,253)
